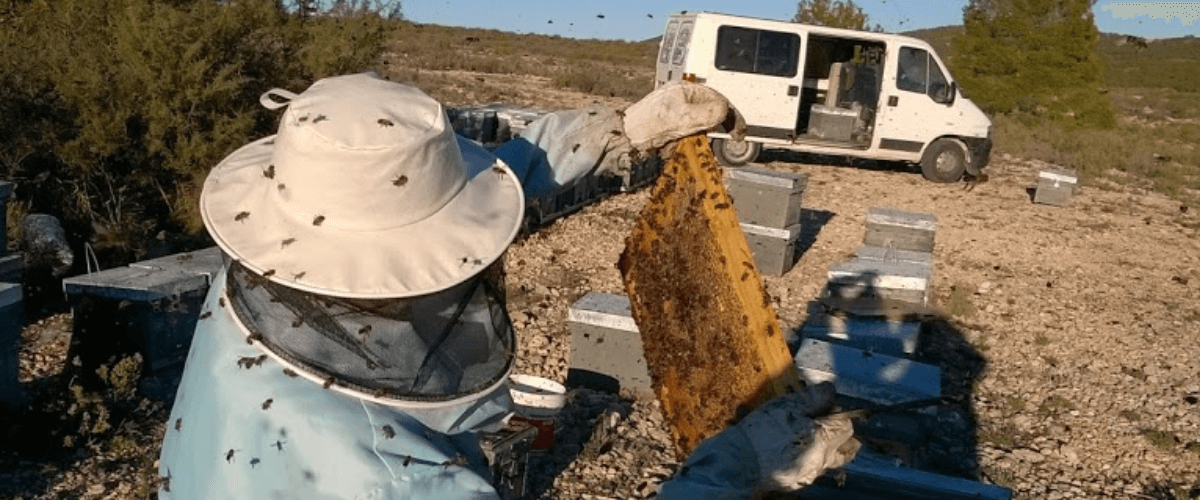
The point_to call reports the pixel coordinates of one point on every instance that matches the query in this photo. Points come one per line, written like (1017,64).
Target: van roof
(811,28)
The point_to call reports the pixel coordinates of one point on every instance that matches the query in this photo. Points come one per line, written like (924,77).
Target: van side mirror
(953,94)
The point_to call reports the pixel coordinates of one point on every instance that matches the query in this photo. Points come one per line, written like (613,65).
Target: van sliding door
(758,71)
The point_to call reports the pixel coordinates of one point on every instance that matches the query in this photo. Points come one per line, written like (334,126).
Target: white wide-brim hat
(365,192)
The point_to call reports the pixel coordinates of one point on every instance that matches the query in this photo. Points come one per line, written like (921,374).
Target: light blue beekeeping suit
(309,442)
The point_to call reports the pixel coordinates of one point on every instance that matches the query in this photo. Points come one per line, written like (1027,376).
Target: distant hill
(1172,63)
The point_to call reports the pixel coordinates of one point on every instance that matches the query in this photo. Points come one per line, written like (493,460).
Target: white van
(828,91)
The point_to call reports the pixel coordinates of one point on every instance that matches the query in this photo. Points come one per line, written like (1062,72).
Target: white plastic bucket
(538,400)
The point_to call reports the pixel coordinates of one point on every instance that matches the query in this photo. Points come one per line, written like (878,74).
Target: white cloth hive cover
(365,192)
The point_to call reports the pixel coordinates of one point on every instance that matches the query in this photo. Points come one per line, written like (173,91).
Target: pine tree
(1036,57)
(832,13)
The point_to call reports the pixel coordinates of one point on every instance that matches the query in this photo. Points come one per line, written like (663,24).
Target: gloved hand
(781,446)
(794,439)
(562,147)
(677,110)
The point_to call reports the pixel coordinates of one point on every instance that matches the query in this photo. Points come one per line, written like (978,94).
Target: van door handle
(893,100)
(793,91)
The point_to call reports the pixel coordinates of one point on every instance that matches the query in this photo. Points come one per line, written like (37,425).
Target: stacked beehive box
(895,261)
(768,208)
(154,303)
(1055,186)
(606,346)
(869,357)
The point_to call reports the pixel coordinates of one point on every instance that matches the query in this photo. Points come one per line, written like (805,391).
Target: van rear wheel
(944,161)
(735,153)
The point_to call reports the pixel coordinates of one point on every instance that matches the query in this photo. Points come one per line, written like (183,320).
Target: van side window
(939,87)
(681,43)
(761,52)
(911,70)
(668,42)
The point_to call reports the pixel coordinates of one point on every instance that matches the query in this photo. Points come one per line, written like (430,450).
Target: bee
(328,383)
(269,273)
(365,330)
(241,216)
(721,206)
(286,242)
(747,264)
(267,404)
(303,118)
(229,455)
(457,460)
(318,220)
(269,172)
(384,122)
(320,118)
(252,338)
(259,360)
(178,425)
(279,445)
(165,481)
(291,373)
(575,148)
(500,171)
(205,315)
(298,322)
(246,362)
(745,274)
(279,186)
(253,462)
(407,460)
(308,475)
(745,320)
(221,301)
(388,431)
(400,181)
(714,195)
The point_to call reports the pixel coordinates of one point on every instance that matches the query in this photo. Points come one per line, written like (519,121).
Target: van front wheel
(944,161)
(735,153)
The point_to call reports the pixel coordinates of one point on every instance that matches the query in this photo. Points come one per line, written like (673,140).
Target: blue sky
(631,19)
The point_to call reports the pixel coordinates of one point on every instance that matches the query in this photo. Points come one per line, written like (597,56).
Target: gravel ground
(1075,351)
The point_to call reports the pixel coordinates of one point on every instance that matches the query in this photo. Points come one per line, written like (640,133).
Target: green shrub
(115,110)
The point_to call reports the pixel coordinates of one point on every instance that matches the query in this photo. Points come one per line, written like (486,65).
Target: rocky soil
(1086,319)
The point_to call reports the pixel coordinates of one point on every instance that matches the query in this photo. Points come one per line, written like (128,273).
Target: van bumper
(981,152)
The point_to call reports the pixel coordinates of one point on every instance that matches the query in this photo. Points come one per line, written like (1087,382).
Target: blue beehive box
(155,304)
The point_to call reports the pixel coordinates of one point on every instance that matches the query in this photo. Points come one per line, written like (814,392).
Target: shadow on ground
(940,437)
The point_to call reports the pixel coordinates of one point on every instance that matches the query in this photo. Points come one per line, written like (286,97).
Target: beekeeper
(356,342)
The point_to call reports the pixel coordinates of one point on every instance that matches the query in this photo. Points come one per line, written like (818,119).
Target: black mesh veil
(436,347)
